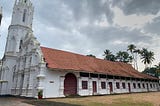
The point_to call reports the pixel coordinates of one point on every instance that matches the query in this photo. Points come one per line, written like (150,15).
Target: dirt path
(152,97)
(12,101)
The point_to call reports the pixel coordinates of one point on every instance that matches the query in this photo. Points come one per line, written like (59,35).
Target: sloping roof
(58,59)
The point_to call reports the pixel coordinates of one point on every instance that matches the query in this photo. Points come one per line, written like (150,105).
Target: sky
(91,26)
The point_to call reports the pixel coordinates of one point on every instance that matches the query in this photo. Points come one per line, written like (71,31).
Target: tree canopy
(153,71)
(147,57)
(91,55)
(133,54)
(124,56)
(109,56)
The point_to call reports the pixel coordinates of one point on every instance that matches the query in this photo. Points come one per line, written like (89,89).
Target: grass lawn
(135,99)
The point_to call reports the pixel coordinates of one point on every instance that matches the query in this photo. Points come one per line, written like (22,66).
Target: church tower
(21,24)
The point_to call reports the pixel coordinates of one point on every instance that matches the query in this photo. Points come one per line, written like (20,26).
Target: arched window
(12,43)
(14,73)
(5,73)
(20,45)
(24,15)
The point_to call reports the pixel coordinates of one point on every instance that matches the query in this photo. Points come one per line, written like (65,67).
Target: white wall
(89,91)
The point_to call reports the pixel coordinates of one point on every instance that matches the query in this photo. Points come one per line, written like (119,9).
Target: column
(61,90)
(90,86)
(41,77)
(99,86)
(79,88)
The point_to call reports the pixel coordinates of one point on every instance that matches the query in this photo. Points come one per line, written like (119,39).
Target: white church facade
(28,68)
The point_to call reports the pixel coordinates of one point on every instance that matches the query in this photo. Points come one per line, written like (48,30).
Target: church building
(27,68)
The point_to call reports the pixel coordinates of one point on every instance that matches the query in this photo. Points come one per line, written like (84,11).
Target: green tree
(91,55)
(153,71)
(157,66)
(131,48)
(157,69)
(147,57)
(109,56)
(124,56)
(150,71)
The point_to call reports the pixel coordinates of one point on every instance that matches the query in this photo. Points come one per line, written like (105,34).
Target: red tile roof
(58,59)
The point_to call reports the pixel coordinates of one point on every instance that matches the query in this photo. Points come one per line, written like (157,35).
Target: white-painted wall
(56,89)
(24,71)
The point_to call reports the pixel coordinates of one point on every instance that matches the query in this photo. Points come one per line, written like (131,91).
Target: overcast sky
(91,26)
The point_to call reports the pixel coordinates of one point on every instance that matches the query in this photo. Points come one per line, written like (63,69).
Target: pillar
(61,90)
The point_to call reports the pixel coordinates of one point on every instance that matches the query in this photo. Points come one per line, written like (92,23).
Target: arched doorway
(70,84)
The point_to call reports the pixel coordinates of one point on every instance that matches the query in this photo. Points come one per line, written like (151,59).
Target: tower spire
(27,2)
(21,24)
(22,13)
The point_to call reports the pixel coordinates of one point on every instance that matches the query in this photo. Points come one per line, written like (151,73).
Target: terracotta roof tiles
(58,59)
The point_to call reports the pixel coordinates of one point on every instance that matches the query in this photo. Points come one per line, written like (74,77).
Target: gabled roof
(58,59)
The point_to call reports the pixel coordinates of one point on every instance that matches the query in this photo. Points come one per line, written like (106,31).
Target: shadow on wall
(47,103)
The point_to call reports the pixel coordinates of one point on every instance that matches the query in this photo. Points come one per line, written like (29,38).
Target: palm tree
(107,52)
(136,51)
(131,49)
(150,57)
(123,56)
(112,57)
(120,56)
(147,57)
(109,56)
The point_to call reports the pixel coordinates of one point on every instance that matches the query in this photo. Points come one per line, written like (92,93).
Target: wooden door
(110,87)
(147,87)
(129,87)
(94,86)
(70,84)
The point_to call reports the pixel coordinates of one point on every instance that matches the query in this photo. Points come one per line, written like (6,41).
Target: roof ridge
(83,55)
(65,60)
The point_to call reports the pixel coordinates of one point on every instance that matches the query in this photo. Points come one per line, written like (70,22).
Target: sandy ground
(152,97)
(12,101)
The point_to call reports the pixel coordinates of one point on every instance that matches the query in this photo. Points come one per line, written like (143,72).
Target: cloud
(85,26)
(138,6)
(110,34)
(56,15)
(153,27)
(91,9)
(91,26)
(68,14)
